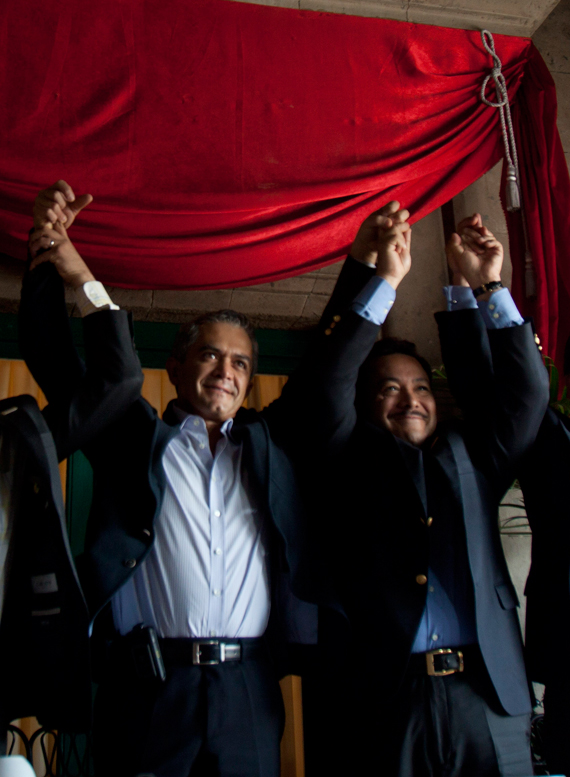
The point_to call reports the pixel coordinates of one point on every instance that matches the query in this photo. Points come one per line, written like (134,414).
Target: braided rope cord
(513,192)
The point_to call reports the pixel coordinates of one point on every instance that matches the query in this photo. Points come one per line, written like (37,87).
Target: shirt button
(130,563)
(201,446)
(454,302)
(491,307)
(212,633)
(214,478)
(495,315)
(217,513)
(435,637)
(218,551)
(196,422)
(217,592)
(421,579)
(431,589)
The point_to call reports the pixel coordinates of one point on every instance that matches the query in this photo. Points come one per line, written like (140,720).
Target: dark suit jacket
(129,486)
(379,526)
(44,627)
(544,478)
(543,474)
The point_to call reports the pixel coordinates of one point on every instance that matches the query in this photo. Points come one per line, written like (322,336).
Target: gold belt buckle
(431,670)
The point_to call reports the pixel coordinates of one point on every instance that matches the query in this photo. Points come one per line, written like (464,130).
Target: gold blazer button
(421,579)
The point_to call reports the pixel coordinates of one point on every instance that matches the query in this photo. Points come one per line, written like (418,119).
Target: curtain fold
(545,189)
(231,143)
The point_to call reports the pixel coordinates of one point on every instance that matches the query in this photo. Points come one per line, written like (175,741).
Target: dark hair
(386,347)
(188,333)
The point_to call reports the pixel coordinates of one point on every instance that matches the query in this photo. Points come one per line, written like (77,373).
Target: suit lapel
(413,460)
(446,449)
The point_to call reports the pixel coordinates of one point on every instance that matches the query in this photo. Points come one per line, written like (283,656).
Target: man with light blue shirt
(431,678)
(194,568)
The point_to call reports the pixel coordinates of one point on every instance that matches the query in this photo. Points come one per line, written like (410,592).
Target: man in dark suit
(44,649)
(543,474)
(195,545)
(431,679)
(544,480)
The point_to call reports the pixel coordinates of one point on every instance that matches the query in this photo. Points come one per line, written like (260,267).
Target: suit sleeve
(502,385)
(468,360)
(84,397)
(317,403)
(352,279)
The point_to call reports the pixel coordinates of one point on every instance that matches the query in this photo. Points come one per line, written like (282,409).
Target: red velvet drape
(546,198)
(228,144)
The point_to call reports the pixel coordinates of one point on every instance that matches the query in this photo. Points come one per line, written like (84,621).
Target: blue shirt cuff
(375,300)
(500,311)
(459,298)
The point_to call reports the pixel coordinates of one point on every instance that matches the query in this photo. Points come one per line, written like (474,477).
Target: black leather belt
(445,661)
(210,652)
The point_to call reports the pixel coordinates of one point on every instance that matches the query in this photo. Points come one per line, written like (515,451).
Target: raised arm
(319,397)
(360,264)
(83,396)
(493,365)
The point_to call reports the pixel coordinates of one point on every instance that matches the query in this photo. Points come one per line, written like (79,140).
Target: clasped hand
(49,242)
(474,254)
(384,239)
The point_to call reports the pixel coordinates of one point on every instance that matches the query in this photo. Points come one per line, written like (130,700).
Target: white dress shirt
(206,574)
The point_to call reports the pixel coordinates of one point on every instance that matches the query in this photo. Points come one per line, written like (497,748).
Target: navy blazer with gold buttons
(377,521)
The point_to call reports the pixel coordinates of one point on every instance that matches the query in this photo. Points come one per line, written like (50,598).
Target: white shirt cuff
(92,297)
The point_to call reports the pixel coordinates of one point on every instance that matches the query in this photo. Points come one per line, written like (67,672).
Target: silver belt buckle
(197,652)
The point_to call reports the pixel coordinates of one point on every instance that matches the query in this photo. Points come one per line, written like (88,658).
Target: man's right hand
(365,246)
(394,257)
(58,249)
(58,204)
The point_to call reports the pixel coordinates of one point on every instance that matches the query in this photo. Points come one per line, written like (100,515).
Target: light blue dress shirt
(207,573)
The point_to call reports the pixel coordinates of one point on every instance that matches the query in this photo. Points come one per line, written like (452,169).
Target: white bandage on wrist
(92,297)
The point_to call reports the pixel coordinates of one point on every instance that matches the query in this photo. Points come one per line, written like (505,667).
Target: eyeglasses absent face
(215,377)
(401,399)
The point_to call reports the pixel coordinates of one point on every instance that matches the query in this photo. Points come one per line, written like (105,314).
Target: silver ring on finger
(51,243)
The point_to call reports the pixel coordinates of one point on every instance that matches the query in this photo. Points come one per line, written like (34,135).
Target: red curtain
(546,199)
(228,144)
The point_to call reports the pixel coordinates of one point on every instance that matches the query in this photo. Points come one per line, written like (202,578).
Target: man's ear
(173,368)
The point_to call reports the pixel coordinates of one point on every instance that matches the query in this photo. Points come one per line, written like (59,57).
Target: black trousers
(203,721)
(557,724)
(449,726)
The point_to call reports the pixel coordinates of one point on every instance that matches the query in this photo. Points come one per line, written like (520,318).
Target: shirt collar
(187,421)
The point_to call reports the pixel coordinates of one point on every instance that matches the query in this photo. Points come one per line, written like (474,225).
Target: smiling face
(400,398)
(215,376)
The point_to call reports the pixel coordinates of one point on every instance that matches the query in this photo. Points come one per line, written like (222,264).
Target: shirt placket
(217,545)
